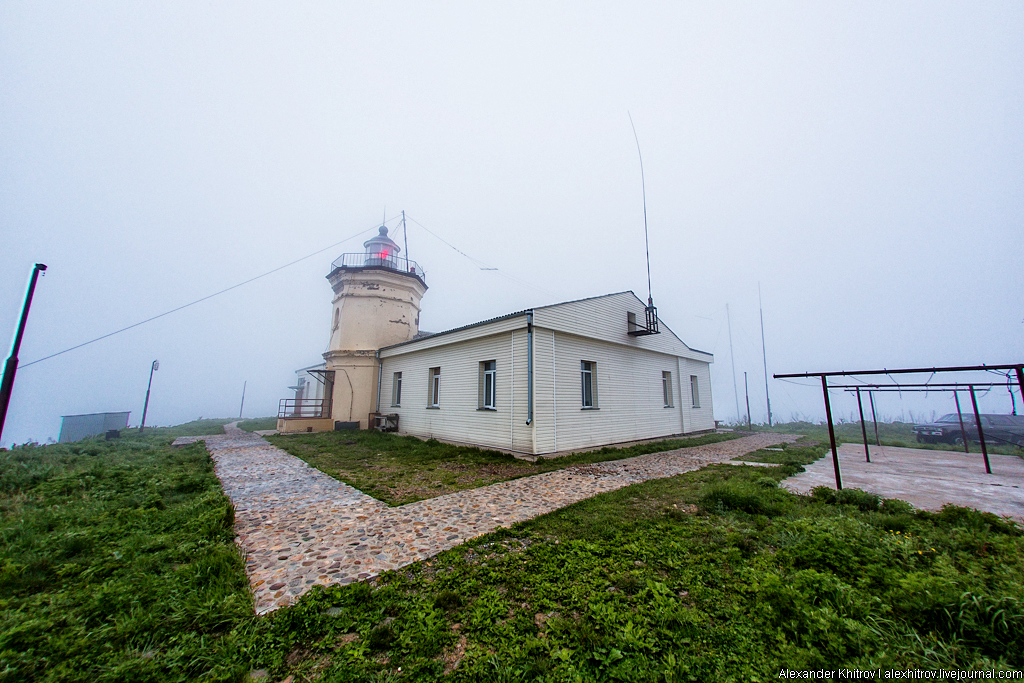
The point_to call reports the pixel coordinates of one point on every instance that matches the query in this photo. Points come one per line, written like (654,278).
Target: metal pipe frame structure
(955,389)
(894,386)
(910,388)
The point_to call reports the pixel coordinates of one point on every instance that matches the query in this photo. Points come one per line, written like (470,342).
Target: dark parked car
(999,429)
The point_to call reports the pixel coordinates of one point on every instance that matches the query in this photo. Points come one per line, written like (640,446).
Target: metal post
(405,237)
(1020,382)
(747,393)
(243,399)
(960,416)
(831,435)
(874,418)
(863,427)
(11,367)
(152,368)
(732,361)
(981,432)
(764,357)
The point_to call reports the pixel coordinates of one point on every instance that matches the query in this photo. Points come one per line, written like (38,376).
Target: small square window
(396,391)
(488,392)
(666,388)
(695,391)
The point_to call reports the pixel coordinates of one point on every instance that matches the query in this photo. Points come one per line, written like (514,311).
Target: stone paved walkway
(300,527)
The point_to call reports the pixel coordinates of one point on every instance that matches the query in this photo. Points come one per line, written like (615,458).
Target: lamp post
(11,367)
(153,368)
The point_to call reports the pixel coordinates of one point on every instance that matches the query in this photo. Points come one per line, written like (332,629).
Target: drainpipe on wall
(529,367)
(380,377)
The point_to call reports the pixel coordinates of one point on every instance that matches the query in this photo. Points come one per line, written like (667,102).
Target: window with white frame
(588,383)
(396,391)
(695,391)
(434,388)
(487,392)
(666,387)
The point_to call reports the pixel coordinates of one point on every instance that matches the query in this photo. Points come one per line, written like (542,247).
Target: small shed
(78,427)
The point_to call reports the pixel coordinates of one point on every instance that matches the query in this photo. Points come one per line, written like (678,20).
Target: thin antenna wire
(477,262)
(193,303)
(643,188)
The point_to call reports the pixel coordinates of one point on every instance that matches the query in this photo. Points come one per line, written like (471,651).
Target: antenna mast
(650,312)
(643,189)
(732,359)
(405,236)
(764,356)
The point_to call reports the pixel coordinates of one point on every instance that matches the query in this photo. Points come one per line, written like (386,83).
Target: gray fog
(863,162)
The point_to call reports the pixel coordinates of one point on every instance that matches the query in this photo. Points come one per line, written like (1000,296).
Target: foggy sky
(863,162)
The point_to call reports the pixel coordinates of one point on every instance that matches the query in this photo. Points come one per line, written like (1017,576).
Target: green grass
(712,575)
(117,563)
(404,469)
(899,434)
(165,435)
(803,452)
(258,424)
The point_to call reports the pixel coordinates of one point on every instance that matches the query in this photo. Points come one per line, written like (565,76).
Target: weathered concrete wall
(373,307)
(292,425)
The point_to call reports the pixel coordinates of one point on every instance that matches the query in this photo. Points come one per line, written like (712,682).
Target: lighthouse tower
(376,303)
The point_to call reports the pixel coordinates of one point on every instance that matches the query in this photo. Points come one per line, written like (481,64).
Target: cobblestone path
(300,527)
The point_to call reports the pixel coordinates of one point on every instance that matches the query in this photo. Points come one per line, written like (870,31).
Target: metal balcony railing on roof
(383,260)
(302,407)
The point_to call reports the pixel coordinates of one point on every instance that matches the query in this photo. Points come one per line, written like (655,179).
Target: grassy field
(404,469)
(712,575)
(258,424)
(889,434)
(117,564)
(803,452)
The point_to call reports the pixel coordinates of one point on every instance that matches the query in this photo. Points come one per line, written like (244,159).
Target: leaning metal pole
(831,434)
(149,386)
(1020,382)
(863,427)
(764,357)
(11,367)
(746,392)
(874,417)
(981,432)
(960,416)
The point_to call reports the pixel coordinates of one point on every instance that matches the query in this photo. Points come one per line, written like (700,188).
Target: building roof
(424,336)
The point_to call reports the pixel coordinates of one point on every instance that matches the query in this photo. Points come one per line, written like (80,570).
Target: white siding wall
(629,387)
(604,318)
(696,419)
(630,401)
(457,417)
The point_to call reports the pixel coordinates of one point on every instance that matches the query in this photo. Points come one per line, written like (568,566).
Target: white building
(549,379)
(572,375)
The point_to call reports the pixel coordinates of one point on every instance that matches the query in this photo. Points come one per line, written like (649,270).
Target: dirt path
(300,527)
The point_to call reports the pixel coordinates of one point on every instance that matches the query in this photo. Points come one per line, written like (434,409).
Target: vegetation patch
(711,575)
(258,424)
(899,434)
(117,563)
(404,469)
(803,452)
